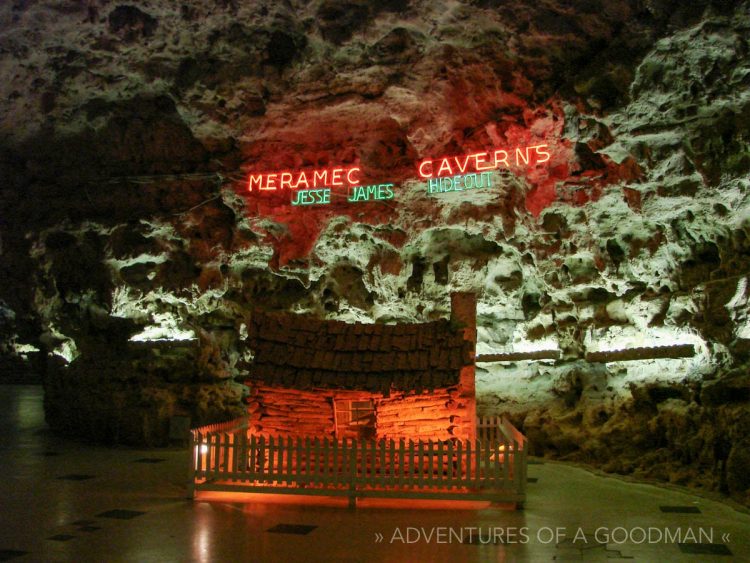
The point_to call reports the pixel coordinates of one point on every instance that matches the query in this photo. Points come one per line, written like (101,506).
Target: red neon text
(481,161)
(326,177)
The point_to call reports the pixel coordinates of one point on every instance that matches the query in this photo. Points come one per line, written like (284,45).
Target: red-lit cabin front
(363,410)
(330,379)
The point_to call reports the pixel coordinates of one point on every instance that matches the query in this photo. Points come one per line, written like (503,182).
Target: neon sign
(312,197)
(357,194)
(316,185)
(459,183)
(378,192)
(325,177)
(481,161)
(446,174)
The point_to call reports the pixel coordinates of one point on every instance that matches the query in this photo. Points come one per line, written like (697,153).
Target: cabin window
(355,419)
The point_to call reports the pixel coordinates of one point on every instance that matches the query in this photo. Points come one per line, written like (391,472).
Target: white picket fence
(226,457)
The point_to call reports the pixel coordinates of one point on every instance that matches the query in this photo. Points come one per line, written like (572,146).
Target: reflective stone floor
(65,501)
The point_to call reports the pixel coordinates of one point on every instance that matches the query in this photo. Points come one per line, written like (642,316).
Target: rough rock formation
(131,249)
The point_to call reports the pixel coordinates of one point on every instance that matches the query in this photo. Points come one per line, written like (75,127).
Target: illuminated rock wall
(131,249)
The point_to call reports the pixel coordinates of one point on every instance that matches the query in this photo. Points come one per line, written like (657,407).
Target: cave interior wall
(131,250)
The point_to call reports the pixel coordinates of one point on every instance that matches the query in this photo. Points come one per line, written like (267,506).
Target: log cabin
(330,379)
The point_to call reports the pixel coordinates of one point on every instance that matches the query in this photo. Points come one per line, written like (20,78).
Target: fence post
(352,473)
(194,453)
(518,476)
(450,464)
(307,459)
(327,463)
(242,454)
(314,479)
(506,463)
(420,469)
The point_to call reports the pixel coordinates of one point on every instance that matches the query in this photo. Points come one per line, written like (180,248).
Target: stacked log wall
(290,412)
(441,414)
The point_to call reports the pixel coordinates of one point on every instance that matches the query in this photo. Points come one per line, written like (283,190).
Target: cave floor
(66,501)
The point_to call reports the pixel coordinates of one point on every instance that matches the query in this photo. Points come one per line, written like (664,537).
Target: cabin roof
(302,352)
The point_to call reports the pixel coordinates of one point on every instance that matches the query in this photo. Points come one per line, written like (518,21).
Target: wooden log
(297,403)
(435,397)
(645,353)
(290,393)
(401,405)
(300,401)
(287,432)
(519,356)
(415,431)
(436,408)
(295,428)
(422,426)
(411,421)
(426,415)
(307,413)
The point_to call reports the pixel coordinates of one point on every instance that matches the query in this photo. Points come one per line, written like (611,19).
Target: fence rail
(229,426)
(227,458)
